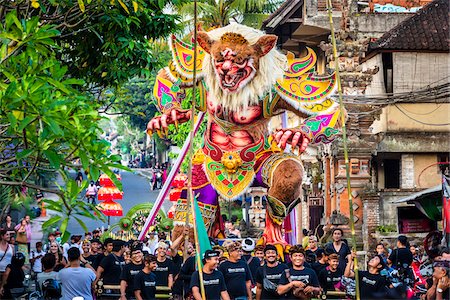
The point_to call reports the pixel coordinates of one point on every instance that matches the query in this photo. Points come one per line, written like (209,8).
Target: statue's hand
(173,116)
(294,137)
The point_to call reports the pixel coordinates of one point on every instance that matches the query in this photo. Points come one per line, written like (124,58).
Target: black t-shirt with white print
(146,283)
(372,286)
(274,275)
(129,271)
(112,266)
(307,276)
(236,275)
(162,272)
(214,284)
(329,279)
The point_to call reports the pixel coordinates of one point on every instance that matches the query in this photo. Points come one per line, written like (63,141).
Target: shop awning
(428,201)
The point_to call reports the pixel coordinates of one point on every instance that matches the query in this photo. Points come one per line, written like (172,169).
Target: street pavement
(136,190)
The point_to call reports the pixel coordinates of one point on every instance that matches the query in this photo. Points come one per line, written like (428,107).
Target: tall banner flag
(446,207)
(202,235)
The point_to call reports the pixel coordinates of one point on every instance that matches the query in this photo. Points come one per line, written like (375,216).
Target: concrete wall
(413,71)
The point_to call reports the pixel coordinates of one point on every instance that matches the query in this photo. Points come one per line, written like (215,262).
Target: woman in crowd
(9,225)
(61,261)
(11,285)
(6,250)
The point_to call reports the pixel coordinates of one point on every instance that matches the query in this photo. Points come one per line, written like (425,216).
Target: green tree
(55,58)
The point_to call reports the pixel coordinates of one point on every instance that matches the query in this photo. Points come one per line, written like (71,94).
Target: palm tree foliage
(219,13)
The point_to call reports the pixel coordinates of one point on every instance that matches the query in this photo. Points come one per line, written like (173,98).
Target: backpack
(51,289)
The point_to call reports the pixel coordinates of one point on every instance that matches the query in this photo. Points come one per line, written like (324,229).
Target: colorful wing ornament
(301,88)
(309,93)
(169,85)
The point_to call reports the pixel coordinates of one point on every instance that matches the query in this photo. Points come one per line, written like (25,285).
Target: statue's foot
(272,236)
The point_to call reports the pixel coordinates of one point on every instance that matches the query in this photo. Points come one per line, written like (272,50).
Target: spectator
(402,256)
(29,233)
(381,251)
(177,259)
(237,274)
(22,238)
(221,251)
(79,177)
(339,247)
(111,266)
(48,263)
(6,250)
(231,231)
(61,261)
(330,277)
(104,251)
(50,239)
(271,271)
(213,280)
(164,270)
(322,261)
(372,285)
(35,258)
(298,281)
(312,248)
(75,280)
(248,245)
(75,241)
(130,270)
(12,280)
(96,234)
(187,269)
(86,255)
(145,280)
(259,253)
(9,225)
(440,287)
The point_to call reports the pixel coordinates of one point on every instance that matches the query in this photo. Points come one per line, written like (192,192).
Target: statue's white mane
(271,68)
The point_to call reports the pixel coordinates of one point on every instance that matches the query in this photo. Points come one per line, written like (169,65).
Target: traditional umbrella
(110,209)
(109,193)
(106,181)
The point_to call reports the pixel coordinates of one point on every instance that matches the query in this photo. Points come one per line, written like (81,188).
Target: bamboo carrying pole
(344,142)
(191,199)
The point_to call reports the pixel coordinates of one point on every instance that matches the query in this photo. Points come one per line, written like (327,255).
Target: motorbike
(91,198)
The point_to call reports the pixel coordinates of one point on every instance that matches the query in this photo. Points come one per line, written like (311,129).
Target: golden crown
(233,38)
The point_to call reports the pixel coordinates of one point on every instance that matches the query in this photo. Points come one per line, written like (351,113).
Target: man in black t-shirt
(248,245)
(236,272)
(372,285)
(322,261)
(330,277)
(145,280)
(111,266)
(271,270)
(298,279)
(402,256)
(165,267)
(130,270)
(213,280)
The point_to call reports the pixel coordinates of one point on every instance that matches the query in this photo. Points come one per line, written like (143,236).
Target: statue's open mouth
(233,81)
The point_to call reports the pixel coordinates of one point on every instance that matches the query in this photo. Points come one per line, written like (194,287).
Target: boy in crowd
(111,266)
(213,280)
(165,269)
(272,271)
(330,277)
(129,271)
(298,281)
(35,258)
(145,280)
(237,274)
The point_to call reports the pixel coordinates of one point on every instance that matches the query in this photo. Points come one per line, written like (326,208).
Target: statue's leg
(282,173)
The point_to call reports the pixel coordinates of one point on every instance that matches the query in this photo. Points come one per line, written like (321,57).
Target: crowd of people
(90,268)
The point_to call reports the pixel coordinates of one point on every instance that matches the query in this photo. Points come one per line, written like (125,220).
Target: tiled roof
(427,30)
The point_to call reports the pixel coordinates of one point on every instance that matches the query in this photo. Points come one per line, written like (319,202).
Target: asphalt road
(136,190)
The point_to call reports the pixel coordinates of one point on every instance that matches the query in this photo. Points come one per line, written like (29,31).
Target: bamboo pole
(344,142)
(191,199)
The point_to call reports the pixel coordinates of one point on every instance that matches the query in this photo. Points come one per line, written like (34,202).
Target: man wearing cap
(129,271)
(272,271)
(237,274)
(248,245)
(165,268)
(213,280)
(111,266)
(298,281)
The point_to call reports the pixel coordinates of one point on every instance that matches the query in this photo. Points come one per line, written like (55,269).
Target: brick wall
(407,171)
(322,5)
(371,207)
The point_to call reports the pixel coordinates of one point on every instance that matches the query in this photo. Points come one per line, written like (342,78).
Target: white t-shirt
(76,282)
(37,266)
(5,258)
(67,246)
